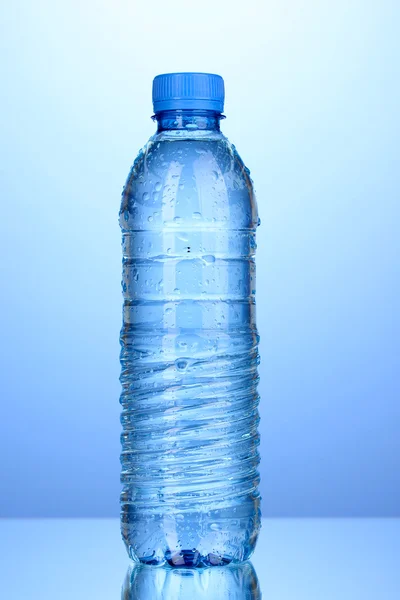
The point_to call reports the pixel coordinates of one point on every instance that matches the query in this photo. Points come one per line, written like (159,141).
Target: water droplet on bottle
(150,218)
(209,258)
(158,186)
(181,364)
(196,215)
(145,196)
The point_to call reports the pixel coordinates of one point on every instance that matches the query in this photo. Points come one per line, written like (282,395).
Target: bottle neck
(188,119)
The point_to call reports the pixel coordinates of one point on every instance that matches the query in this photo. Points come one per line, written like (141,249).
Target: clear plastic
(189,349)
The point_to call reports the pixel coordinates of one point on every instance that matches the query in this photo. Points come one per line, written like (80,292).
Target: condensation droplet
(181,364)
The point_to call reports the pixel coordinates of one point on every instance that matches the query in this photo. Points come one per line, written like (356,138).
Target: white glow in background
(312,105)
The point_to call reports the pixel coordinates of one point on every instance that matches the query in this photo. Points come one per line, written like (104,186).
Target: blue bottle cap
(203,91)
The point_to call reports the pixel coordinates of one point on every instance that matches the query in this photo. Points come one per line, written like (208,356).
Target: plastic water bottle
(189,341)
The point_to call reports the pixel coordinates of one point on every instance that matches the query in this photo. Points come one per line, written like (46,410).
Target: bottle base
(203,556)
(216,536)
(185,558)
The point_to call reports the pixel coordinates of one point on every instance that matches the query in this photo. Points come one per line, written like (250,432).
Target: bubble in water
(209,258)
(196,215)
(150,218)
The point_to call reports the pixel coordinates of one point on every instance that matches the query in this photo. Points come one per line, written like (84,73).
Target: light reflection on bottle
(231,582)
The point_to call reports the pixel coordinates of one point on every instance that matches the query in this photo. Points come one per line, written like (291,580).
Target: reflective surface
(81,559)
(233,582)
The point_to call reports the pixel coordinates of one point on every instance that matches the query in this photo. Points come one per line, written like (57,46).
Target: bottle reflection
(232,582)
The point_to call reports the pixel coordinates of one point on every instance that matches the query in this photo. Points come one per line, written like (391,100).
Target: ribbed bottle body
(189,353)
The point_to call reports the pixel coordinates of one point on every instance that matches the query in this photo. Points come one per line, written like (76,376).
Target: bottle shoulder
(165,148)
(195,172)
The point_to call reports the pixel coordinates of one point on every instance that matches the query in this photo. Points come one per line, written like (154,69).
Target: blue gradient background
(313,99)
